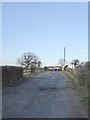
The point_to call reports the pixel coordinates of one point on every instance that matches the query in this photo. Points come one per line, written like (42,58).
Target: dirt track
(49,95)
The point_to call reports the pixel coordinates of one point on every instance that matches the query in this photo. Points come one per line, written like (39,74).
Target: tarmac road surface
(48,95)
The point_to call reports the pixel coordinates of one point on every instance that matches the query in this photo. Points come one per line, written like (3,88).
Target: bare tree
(62,62)
(39,64)
(27,59)
(33,66)
(75,62)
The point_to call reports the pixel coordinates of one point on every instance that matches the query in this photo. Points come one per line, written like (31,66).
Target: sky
(45,29)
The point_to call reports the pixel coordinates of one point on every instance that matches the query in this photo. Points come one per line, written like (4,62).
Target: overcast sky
(45,29)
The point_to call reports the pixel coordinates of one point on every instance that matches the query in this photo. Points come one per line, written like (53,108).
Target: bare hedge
(11,74)
(81,73)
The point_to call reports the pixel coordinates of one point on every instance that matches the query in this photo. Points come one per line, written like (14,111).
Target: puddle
(47,88)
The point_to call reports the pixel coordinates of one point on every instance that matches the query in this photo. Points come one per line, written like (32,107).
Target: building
(54,68)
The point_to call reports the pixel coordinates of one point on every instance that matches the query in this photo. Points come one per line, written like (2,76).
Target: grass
(82,91)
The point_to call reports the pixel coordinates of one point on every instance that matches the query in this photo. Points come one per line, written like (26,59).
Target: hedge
(11,74)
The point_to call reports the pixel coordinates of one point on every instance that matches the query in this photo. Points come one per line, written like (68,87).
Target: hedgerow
(11,74)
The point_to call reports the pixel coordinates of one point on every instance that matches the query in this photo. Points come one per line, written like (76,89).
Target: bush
(83,74)
(11,74)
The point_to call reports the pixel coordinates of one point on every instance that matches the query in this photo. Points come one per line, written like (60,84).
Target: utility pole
(64,55)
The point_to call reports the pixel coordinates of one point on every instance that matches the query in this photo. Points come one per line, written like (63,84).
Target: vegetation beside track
(82,91)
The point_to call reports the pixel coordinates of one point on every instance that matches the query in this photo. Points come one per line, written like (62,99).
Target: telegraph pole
(64,55)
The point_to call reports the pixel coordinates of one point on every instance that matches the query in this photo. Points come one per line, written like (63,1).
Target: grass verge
(82,91)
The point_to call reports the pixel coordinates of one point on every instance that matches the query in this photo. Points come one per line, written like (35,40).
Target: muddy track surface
(48,95)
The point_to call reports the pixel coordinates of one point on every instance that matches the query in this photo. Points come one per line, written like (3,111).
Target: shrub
(83,74)
(11,74)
